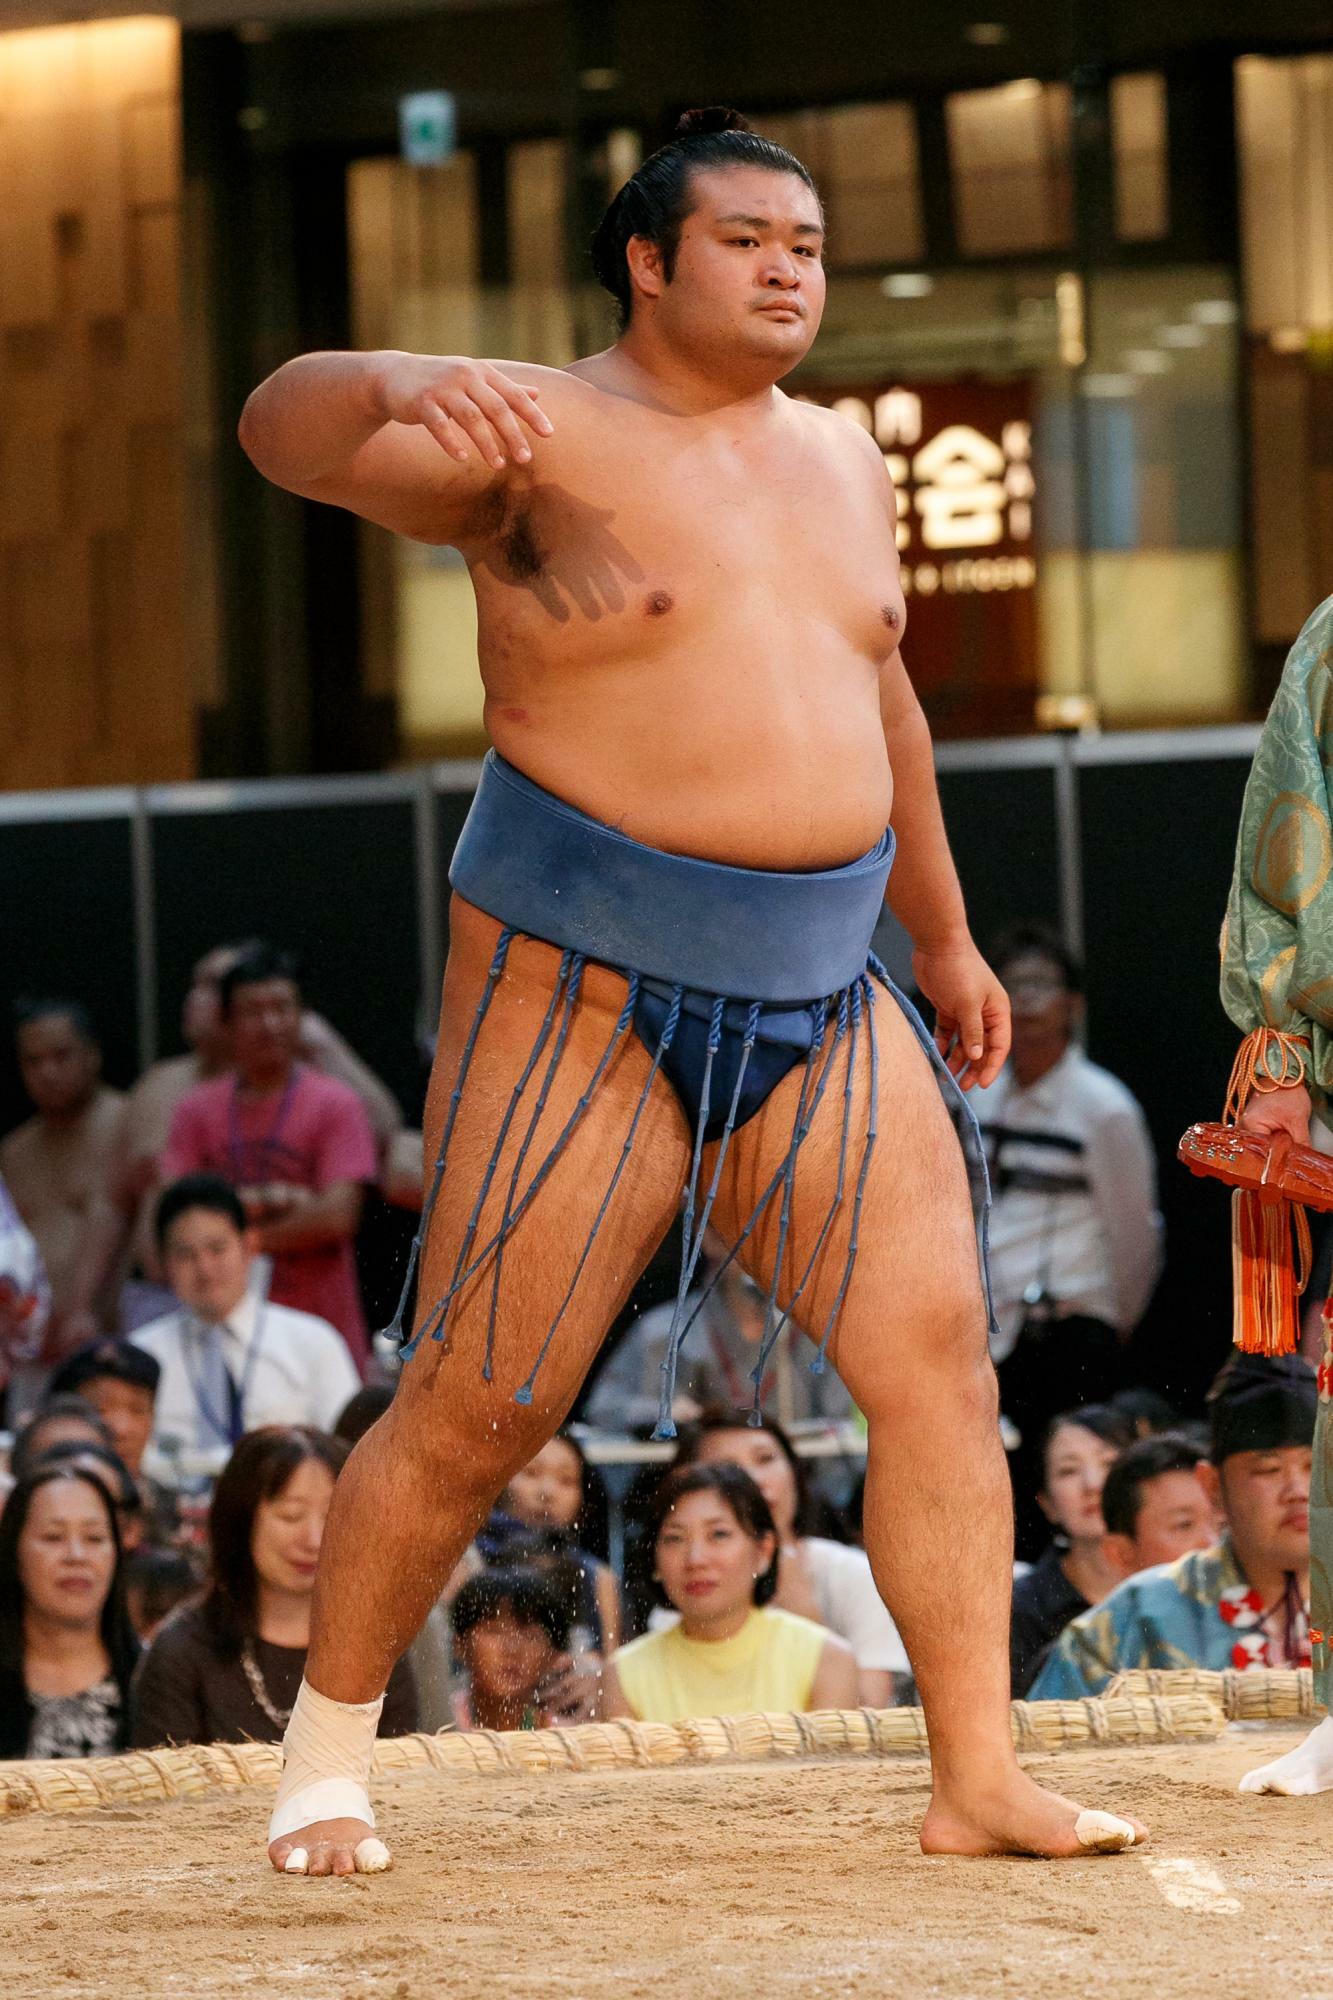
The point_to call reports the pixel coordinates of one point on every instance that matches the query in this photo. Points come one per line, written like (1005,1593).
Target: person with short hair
(227,1669)
(59,1165)
(295,1144)
(1078,1451)
(511,1632)
(1243,1602)
(60,1420)
(1154,1504)
(820,1579)
(67,1648)
(119,1381)
(230,1359)
(715,1545)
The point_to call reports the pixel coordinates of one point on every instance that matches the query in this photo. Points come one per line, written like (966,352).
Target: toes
(372,1857)
(1106,1833)
(296,1861)
(321,1862)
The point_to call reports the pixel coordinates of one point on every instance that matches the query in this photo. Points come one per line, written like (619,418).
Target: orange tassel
(1266,1280)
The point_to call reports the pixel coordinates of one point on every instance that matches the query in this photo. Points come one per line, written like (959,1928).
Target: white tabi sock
(326,1755)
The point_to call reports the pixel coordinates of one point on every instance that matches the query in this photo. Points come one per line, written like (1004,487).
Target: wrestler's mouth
(788,309)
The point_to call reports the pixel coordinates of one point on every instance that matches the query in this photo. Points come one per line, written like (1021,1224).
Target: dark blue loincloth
(735,977)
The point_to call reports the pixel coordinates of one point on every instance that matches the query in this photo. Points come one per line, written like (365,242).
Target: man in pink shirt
(296,1145)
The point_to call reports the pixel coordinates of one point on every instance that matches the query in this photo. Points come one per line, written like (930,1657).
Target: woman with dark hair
(226,1669)
(732,1651)
(63,1420)
(108,1466)
(67,1648)
(1079,1450)
(819,1579)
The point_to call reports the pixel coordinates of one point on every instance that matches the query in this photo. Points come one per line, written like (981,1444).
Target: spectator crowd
(186,1363)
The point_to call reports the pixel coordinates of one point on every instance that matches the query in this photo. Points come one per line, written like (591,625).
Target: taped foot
(1302,1772)
(322,1821)
(1019,1817)
(1104,1833)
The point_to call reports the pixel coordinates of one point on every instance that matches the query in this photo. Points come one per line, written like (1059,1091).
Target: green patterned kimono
(1277,965)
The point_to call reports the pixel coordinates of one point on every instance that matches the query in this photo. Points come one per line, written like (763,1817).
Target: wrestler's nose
(783,273)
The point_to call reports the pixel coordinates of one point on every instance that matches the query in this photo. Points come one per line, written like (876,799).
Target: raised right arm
(411,441)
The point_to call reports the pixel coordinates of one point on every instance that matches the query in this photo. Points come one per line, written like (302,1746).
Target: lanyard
(265,1148)
(231,1426)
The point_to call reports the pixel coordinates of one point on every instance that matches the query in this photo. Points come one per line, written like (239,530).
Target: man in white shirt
(1076,1239)
(231,1360)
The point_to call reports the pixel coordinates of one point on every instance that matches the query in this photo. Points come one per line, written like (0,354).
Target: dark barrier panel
(1158,841)
(335,882)
(1002,828)
(67,928)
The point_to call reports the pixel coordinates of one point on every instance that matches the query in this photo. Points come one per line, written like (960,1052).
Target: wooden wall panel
(94,647)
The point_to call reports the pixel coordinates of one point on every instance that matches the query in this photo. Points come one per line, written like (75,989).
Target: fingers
(486,412)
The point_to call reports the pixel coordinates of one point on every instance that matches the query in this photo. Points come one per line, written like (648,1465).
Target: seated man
(1243,1602)
(1155,1506)
(297,1145)
(231,1359)
(120,1381)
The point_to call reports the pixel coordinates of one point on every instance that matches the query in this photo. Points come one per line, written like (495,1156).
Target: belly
(765,755)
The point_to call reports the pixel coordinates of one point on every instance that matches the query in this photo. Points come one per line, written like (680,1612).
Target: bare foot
(1303,1771)
(331,1847)
(1017,1817)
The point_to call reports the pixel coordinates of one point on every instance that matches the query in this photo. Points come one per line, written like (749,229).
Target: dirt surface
(758,1880)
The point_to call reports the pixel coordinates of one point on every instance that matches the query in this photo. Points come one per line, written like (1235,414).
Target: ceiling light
(986,34)
(1110,387)
(1148,361)
(599,79)
(1022,86)
(907,285)
(1288,340)
(1184,335)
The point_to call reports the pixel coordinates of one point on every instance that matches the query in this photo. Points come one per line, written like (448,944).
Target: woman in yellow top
(715,1548)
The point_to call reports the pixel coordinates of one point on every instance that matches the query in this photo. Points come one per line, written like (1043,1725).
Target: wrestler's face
(507,1657)
(127,1411)
(67,1553)
(1077,1462)
(1265,1496)
(288,1529)
(548,1492)
(60,1066)
(747,280)
(759,1454)
(707,1562)
(1175,1516)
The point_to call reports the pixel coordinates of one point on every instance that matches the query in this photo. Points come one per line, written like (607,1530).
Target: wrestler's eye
(807,250)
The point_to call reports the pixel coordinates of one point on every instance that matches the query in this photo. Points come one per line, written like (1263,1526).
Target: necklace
(279,1717)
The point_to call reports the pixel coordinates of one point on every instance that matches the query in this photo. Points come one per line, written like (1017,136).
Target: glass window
(864,157)
(1010,153)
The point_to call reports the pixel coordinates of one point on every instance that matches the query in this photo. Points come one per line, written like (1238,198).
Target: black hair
(527,1595)
(256,966)
(655,200)
(257,1470)
(206,1191)
(118,1637)
(107,1464)
(28,1448)
(714,1420)
(738,1490)
(1036,939)
(361,1410)
(45,1007)
(1136,1468)
(1148,1410)
(164,1578)
(1112,1426)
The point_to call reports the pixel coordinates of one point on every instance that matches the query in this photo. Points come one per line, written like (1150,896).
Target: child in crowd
(1075,1572)
(511,1632)
(67,1648)
(557,1496)
(227,1669)
(716,1551)
(822,1580)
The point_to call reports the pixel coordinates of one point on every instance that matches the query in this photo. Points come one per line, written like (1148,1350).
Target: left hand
(971,1011)
(572,1691)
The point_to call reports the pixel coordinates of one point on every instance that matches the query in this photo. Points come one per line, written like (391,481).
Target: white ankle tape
(326,1755)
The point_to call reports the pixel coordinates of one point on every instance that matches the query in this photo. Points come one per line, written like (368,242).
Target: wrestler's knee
(941,1358)
(475,1442)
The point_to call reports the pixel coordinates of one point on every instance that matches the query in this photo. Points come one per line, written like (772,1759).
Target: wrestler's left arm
(971,1006)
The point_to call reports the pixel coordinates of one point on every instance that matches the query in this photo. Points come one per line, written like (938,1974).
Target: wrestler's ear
(644,258)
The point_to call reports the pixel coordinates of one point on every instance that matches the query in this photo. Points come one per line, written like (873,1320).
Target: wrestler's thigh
(540,1260)
(915,1287)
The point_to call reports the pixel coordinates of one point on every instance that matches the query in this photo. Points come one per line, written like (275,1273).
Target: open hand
(467,406)
(971,1011)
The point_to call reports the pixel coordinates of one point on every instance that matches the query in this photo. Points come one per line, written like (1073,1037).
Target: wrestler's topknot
(655,201)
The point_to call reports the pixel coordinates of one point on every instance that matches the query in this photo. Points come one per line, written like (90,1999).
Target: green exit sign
(427,127)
